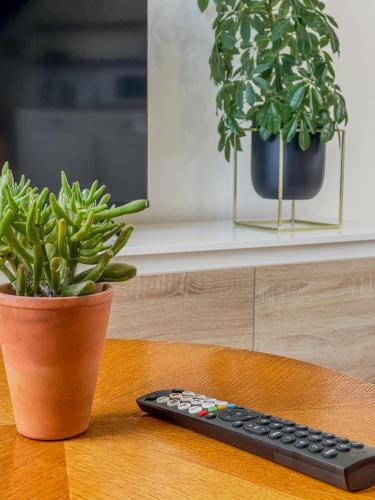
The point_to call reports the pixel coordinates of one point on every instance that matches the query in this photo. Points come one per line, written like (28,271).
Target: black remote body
(336,460)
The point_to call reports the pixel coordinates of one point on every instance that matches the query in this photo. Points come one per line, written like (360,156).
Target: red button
(203,413)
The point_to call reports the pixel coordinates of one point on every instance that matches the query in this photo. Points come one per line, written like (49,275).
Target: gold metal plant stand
(289,224)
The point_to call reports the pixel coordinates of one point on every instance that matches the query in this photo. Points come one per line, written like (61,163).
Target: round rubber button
(331,453)
(343,447)
(237,424)
(315,448)
(195,409)
(183,406)
(301,443)
(355,444)
(162,400)
(188,393)
(288,439)
(173,402)
(197,402)
(175,395)
(207,405)
(200,396)
(341,440)
(186,399)
(328,443)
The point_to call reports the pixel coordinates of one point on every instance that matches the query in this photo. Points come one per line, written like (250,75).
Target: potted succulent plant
(53,316)
(272,61)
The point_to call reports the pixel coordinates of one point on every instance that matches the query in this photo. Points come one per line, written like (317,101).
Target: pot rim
(7,299)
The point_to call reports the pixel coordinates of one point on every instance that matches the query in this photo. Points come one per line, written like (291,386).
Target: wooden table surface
(126,455)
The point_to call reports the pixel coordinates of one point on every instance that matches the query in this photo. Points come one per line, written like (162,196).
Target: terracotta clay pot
(52,349)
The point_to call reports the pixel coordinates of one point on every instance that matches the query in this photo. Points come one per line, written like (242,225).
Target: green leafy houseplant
(43,238)
(272,61)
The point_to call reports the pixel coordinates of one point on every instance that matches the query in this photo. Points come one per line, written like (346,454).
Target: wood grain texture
(321,312)
(127,455)
(214,307)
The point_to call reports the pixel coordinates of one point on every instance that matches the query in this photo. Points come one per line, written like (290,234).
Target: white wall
(188,179)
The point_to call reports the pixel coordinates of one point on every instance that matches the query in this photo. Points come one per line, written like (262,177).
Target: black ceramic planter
(303,170)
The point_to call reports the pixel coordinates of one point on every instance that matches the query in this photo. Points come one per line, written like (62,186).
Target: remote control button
(173,402)
(266,415)
(263,421)
(342,440)
(200,396)
(151,397)
(315,448)
(355,444)
(301,434)
(328,435)
(221,407)
(275,435)
(328,443)
(301,427)
(237,424)
(197,402)
(188,393)
(177,390)
(213,408)
(301,443)
(175,395)
(220,403)
(186,399)
(210,400)
(183,406)
(315,439)
(231,406)
(331,453)
(315,431)
(343,447)
(202,413)
(288,439)
(195,409)
(289,430)
(162,400)
(253,428)
(237,414)
(206,406)
(276,425)
(211,415)
(287,422)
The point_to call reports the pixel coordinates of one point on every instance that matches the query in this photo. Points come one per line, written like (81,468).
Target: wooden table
(126,455)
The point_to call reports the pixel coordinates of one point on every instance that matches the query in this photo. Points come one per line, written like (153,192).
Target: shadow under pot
(303,170)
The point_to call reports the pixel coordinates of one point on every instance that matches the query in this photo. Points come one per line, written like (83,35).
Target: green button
(213,408)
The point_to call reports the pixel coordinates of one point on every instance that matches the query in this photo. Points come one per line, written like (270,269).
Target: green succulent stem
(44,236)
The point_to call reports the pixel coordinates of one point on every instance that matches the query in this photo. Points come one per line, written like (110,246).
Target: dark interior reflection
(73,92)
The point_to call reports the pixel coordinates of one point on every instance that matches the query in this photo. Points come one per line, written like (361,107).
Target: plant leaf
(290,129)
(278,29)
(304,137)
(203,4)
(245,29)
(84,288)
(297,97)
(250,94)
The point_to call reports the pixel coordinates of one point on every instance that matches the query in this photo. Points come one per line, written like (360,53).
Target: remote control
(323,455)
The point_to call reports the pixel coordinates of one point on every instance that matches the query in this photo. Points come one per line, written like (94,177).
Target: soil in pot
(52,349)
(303,170)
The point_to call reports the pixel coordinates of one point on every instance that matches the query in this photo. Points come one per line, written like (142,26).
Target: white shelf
(157,248)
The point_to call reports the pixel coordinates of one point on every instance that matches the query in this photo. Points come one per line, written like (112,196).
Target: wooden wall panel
(214,307)
(321,312)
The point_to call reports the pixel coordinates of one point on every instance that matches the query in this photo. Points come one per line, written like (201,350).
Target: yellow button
(221,407)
